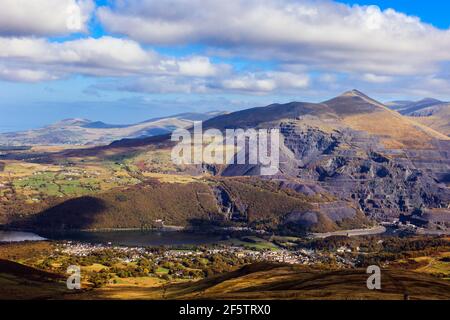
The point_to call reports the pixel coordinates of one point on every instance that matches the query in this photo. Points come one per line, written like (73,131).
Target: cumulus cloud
(370,77)
(259,83)
(312,46)
(106,56)
(161,84)
(44,17)
(198,66)
(322,34)
(24,75)
(265,82)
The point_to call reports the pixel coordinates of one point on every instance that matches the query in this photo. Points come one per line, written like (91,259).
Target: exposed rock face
(306,189)
(306,219)
(435,219)
(355,166)
(358,150)
(233,209)
(310,143)
(327,216)
(383,186)
(338,211)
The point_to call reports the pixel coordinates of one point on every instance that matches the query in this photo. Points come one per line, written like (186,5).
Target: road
(351,233)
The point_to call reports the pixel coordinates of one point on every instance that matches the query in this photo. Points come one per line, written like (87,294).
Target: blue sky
(127,61)
(435,12)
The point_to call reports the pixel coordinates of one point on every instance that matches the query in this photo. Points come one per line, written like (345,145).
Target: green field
(251,242)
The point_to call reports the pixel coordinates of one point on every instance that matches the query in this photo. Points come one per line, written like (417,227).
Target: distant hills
(86,132)
(436,117)
(430,112)
(409,107)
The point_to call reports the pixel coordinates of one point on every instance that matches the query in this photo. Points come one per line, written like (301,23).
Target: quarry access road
(351,233)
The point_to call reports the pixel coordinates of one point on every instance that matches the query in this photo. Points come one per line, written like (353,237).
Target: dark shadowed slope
(254,117)
(276,281)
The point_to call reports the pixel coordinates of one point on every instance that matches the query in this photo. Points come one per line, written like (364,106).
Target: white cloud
(197,66)
(373,78)
(260,83)
(336,44)
(44,17)
(328,78)
(106,56)
(160,84)
(36,59)
(25,75)
(265,82)
(249,83)
(430,86)
(322,34)
(290,80)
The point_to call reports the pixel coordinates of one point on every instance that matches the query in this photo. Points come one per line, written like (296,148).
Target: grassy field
(251,242)
(35,182)
(438,265)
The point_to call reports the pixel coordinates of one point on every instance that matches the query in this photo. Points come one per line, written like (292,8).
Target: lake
(123,238)
(18,236)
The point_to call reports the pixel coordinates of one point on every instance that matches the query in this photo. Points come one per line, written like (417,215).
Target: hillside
(273,113)
(255,282)
(278,281)
(429,112)
(203,203)
(20,282)
(409,107)
(362,113)
(437,118)
(87,132)
(357,148)
(353,109)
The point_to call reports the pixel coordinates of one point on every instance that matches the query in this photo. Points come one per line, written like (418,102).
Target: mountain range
(342,161)
(87,132)
(430,112)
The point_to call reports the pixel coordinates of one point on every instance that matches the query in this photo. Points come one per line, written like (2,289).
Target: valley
(339,169)
(349,168)
(240,268)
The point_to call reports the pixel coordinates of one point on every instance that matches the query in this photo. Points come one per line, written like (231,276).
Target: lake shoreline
(129,238)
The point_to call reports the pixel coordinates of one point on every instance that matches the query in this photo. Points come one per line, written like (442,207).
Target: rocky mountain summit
(357,149)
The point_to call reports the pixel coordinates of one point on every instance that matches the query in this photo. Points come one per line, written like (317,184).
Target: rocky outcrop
(309,143)
(381,185)
(355,166)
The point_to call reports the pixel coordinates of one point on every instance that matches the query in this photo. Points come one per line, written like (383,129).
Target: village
(203,257)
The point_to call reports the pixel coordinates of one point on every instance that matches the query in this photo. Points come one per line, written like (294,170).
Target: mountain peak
(429,100)
(354,102)
(354,93)
(74,122)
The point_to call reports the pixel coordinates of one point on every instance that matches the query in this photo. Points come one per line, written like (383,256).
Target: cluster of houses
(133,254)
